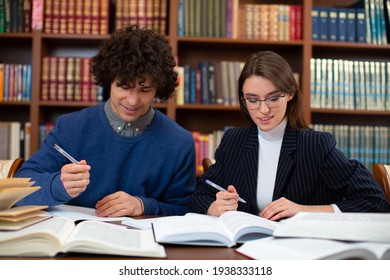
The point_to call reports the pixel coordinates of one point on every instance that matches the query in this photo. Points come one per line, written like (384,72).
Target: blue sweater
(157,165)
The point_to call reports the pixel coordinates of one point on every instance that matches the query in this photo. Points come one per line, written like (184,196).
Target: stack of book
(17,217)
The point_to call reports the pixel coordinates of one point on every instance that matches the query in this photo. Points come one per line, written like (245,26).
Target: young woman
(278,165)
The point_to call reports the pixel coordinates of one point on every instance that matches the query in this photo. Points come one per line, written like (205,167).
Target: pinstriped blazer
(311,171)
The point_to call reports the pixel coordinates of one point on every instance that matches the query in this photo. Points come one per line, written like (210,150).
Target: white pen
(221,189)
(65,154)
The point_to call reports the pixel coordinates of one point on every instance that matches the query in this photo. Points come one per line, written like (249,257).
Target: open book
(272,248)
(197,229)
(17,217)
(60,234)
(368,227)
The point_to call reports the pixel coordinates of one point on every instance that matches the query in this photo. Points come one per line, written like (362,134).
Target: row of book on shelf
(15,82)
(76,17)
(366,21)
(68,79)
(86,17)
(15,140)
(150,13)
(210,82)
(353,85)
(231,19)
(367,144)
(338,24)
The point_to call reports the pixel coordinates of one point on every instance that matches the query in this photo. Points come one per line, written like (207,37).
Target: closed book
(53,72)
(26,15)
(104,17)
(323,29)
(45,78)
(351,25)
(63,17)
(360,25)
(315,22)
(70,78)
(48,16)
(37,14)
(95,17)
(71,17)
(332,24)
(87,17)
(61,78)
(342,35)
(79,16)
(55,17)
(86,79)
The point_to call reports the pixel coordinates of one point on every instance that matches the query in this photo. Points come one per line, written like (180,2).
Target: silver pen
(221,189)
(65,154)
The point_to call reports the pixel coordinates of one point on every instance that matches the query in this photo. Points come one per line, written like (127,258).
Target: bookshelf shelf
(32,47)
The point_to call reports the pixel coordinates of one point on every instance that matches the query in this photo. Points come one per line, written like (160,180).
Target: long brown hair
(275,68)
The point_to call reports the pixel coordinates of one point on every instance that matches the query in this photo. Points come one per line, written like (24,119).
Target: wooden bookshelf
(31,47)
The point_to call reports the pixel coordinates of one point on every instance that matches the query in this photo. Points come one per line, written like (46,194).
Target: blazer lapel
(249,162)
(286,161)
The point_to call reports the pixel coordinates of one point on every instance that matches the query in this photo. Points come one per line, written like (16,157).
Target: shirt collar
(128,129)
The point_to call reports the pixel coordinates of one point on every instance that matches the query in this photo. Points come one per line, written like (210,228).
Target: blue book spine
(187,70)
(332,24)
(180,18)
(315,22)
(342,32)
(351,25)
(323,30)
(192,86)
(360,25)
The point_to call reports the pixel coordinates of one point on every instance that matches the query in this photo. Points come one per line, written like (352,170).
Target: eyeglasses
(274,101)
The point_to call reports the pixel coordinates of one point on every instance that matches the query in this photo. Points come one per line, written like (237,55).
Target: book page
(9,196)
(78,213)
(41,239)
(105,238)
(196,229)
(240,224)
(371,227)
(301,249)
(15,183)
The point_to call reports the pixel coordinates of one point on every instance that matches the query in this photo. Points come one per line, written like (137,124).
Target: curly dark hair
(131,53)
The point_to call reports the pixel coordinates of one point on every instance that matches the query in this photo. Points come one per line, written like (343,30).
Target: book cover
(61,78)
(63,17)
(45,78)
(332,24)
(79,16)
(360,25)
(315,22)
(48,17)
(87,16)
(323,26)
(53,74)
(70,21)
(104,17)
(351,25)
(37,14)
(55,12)
(70,78)
(95,17)
(26,16)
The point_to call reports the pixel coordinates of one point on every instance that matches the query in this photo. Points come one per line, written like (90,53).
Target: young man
(134,160)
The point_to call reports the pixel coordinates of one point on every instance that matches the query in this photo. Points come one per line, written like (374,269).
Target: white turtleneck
(270,143)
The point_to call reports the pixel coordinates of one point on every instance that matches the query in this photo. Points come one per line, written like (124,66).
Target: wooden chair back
(8,167)
(206,163)
(382,176)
